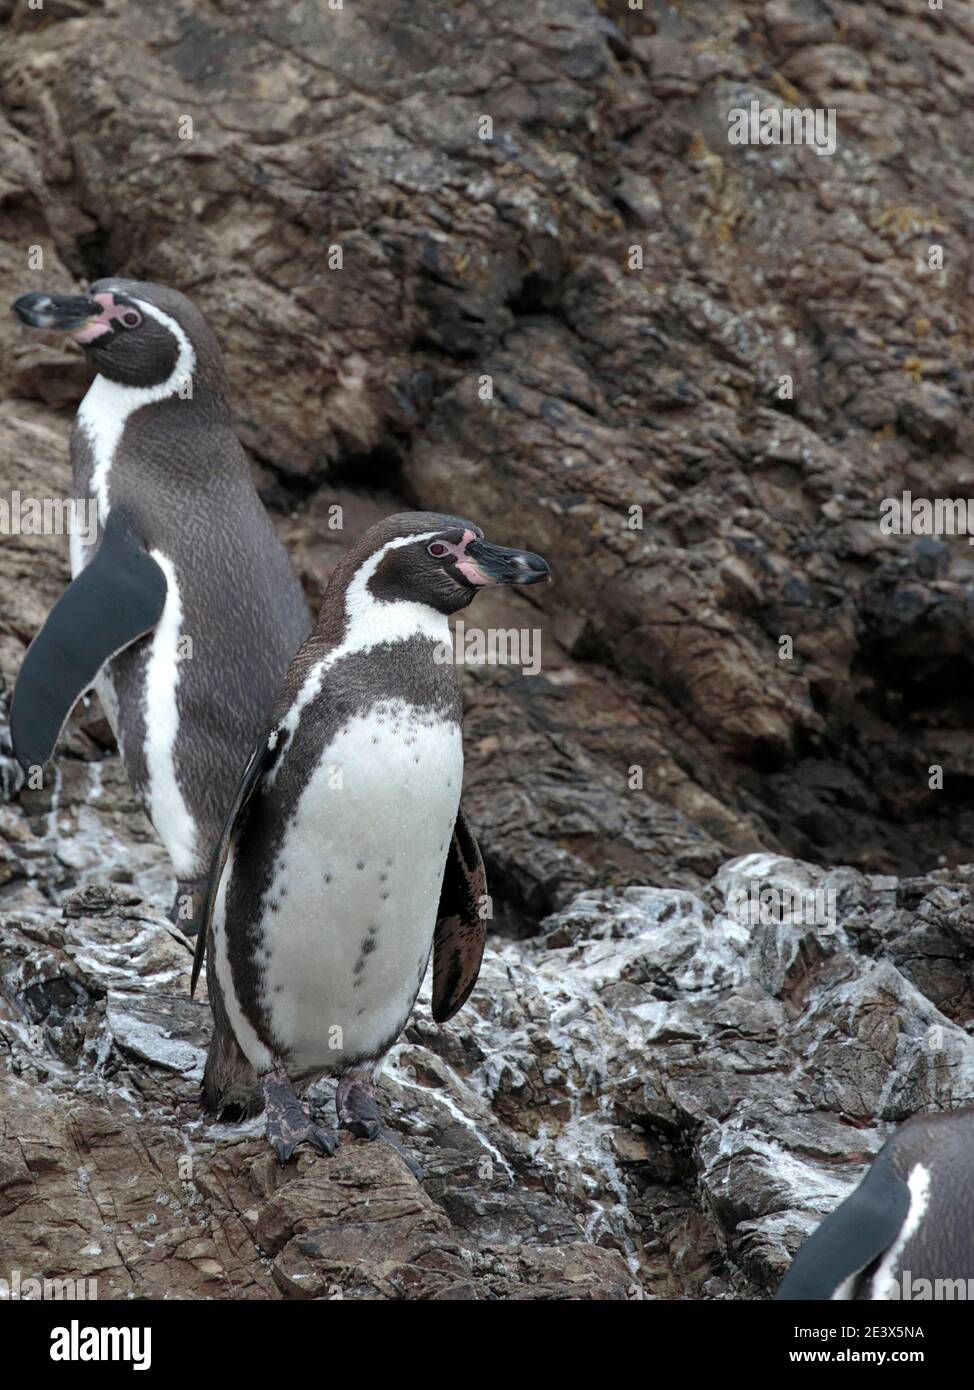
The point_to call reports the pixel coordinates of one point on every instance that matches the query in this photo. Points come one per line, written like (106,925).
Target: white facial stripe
(369,621)
(108,404)
(372,620)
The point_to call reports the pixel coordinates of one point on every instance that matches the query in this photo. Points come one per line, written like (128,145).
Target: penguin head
(441,561)
(134,333)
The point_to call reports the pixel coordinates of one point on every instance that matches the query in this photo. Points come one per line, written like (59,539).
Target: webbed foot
(288,1123)
(358,1112)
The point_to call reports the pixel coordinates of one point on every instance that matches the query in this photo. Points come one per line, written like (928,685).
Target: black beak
(498,565)
(62,312)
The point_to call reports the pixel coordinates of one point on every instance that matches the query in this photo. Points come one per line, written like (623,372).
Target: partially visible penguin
(912,1215)
(184,610)
(346,858)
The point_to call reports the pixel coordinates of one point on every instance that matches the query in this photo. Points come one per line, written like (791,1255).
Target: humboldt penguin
(909,1223)
(183,610)
(346,858)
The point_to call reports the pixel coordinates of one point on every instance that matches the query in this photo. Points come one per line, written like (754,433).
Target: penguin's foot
(288,1123)
(358,1112)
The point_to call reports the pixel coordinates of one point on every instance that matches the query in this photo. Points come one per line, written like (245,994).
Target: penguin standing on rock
(184,610)
(346,858)
(908,1225)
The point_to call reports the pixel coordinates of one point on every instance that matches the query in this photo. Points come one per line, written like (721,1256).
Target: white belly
(356,887)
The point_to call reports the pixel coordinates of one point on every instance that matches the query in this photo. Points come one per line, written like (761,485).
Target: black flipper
(461,931)
(852,1236)
(261,759)
(117,598)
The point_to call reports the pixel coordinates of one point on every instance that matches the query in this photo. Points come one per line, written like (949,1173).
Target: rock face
(656,1096)
(501,260)
(490,346)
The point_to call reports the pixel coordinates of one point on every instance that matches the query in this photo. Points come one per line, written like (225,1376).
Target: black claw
(288,1124)
(324,1140)
(359,1113)
(362,1128)
(282,1148)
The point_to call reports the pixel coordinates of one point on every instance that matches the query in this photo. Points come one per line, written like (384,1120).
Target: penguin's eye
(438,549)
(131,318)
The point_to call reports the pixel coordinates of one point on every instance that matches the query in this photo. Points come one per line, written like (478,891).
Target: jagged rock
(658,1095)
(260,138)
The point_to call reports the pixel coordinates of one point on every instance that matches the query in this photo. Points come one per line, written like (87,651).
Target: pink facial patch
(470,570)
(95,328)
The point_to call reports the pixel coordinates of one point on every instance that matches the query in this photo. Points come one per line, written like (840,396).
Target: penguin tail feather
(231,1089)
